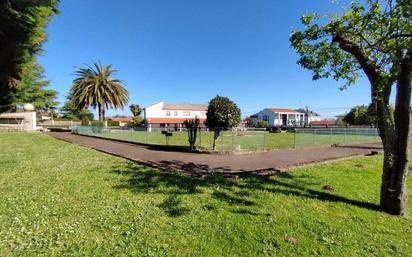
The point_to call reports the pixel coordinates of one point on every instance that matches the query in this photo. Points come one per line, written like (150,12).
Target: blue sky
(190,51)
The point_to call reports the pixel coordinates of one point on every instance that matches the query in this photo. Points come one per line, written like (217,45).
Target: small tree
(262,124)
(192,125)
(137,121)
(136,111)
(222,114)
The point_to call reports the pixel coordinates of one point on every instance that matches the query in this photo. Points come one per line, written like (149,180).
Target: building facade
(170,116)
(279,117)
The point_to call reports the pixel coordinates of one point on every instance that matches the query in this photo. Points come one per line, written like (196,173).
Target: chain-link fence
(334,136)
(238,140)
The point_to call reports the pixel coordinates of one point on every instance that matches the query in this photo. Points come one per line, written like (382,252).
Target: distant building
(123,121)
(279,117)
(310,116)
(170,116)
(41,116)
(323,123)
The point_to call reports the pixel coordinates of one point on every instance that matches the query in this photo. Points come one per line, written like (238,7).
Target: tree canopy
(21,36)
(362,115)
(221,114)
(95,87)
(371,38)
(71,111)
(374,38)
(135,109)
(32,88)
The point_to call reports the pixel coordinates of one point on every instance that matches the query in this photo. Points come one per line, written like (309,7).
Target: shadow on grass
(232,191)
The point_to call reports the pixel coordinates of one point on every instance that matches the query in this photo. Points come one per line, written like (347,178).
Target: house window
(186,113)
(265,117)
(168,113)
(175,113)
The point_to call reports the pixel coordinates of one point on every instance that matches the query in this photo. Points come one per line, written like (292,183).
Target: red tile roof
(170,120)
(323,122)
(122,119)
(283,110)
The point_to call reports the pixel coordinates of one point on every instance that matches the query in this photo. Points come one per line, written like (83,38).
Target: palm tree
(135,109)
(93,87)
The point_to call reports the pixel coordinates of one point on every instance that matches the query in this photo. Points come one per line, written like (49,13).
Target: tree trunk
(101,112)
(394,192)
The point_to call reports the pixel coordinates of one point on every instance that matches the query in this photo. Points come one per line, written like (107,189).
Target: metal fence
(238,140)
(334,136)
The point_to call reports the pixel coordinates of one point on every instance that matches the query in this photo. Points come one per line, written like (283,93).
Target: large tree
(95,87)
(22,33)
(221,114)
(32,88)
(363,115)
(374,38)
(71,111)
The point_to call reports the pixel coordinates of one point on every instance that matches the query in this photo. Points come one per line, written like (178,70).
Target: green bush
(97,126)
(85,121)
(262,124)
(112,123)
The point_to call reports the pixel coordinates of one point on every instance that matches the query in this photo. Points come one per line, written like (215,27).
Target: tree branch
(356,51)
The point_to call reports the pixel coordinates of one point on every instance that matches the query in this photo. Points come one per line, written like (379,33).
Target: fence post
(131,134)
(264,140)
(330,136)
(233,138)
(313,139)
(294,139)
(344,135)
(200,137)
(147,137)
(221,140)
(210,140)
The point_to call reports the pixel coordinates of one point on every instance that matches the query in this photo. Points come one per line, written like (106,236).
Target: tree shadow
(172,206)
(230,190)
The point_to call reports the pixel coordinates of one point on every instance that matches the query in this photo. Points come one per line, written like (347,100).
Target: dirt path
(196,163)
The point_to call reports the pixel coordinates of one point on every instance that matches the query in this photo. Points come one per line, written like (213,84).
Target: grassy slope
(58,198)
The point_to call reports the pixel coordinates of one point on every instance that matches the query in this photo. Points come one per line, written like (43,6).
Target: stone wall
(18,121)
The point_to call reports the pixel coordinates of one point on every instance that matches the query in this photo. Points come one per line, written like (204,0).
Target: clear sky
(189,51)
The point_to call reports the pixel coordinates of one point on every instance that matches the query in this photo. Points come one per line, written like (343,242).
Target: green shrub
(262,124)
(85,121)
(97,126)
(112,123)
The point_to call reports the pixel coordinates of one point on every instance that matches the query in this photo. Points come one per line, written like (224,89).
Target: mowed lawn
(62,199)
(233,140)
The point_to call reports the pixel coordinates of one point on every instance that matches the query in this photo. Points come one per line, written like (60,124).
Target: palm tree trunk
(101,112)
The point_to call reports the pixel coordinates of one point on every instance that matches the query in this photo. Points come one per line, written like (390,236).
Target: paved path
(201,163)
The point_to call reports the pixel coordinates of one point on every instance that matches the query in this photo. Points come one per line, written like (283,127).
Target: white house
(170,116)
(279,117)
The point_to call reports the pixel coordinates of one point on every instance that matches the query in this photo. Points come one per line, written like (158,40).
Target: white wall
(156,111)
(20,121)
(275,119)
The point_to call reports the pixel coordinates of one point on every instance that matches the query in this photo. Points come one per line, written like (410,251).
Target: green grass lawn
(62,199)
(233,140)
